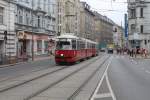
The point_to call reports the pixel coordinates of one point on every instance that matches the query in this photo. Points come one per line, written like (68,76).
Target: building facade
(68,16)
(7,18)
(35,24)
(87,23)
(103,29)
(118,37)
(138,16)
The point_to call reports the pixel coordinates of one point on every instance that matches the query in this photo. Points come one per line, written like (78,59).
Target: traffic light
(5,35)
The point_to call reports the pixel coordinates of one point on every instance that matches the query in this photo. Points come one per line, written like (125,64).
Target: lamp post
(32,34)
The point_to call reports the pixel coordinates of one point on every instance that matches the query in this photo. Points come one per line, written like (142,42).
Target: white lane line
(110,88)
(99,85)
(103,95)
(147,71)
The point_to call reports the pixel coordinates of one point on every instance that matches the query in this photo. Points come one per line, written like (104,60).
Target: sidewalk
(140,57)
(36,58)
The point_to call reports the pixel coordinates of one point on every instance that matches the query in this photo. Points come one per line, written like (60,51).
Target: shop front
(40,42)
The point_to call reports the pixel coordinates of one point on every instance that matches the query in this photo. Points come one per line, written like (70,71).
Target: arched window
(20,13)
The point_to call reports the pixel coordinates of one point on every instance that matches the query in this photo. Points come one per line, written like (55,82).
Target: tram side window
(74,44)
(82,45)
(78,45)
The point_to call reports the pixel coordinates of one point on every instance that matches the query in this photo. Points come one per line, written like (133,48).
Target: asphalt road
(130,78)
(20,69)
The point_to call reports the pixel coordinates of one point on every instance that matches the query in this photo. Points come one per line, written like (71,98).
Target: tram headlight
(61,55)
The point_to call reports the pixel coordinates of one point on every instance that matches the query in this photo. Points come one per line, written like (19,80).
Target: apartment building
(103,29)
(68,16)
(35,24)
(7,18)
(139,22)
(87,22)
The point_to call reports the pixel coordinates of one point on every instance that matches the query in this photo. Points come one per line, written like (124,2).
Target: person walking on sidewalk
(145,53)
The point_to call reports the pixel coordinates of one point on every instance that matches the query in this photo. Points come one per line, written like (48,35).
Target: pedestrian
(145,53)
(135,52)
(132,52)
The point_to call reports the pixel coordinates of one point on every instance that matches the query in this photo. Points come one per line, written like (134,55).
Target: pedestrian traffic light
(5,35)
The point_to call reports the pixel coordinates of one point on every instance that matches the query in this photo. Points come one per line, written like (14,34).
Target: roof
(70,36)
(67,36)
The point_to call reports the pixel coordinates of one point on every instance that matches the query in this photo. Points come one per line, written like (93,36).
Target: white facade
(139,23)
(68,16)
(7,18)
(37,18)
(118,36)
(47,13)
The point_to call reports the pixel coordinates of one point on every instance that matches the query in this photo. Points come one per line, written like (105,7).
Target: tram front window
(63,45)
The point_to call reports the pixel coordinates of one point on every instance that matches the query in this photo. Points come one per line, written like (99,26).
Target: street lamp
(32,35)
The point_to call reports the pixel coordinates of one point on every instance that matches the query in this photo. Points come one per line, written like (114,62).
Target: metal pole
(32,35)
(9,55)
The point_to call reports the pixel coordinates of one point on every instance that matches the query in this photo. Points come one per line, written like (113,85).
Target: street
(119,77)
(25,68)
(130,78)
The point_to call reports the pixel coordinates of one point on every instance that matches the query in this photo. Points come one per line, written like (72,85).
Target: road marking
(147,71)
(110,88)
(104,95)
(111,94)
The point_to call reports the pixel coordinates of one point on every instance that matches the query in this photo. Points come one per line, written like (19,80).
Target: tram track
(41,76)
(53,84)
(71,74)
(34,78)
(86,81)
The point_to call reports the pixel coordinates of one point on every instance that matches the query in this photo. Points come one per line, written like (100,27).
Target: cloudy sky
(114,9)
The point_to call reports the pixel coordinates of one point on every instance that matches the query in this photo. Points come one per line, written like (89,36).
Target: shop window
(39,45)
(46,45)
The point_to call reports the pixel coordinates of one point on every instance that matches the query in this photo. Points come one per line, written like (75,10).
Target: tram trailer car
(70,49)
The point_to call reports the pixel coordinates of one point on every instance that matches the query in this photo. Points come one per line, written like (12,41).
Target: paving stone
(58,92)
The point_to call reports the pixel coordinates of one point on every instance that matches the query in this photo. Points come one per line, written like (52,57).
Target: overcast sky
(113,9)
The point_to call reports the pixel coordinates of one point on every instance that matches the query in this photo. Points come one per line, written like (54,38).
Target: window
(74,44)
(132,28)
(133,13)
(38,21)
(141,12)
(142,28)
(46,45)
(20,17)
(39,45)
(1,15)
(27,19)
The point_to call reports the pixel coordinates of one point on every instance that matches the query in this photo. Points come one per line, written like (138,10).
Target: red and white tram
(70,49)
